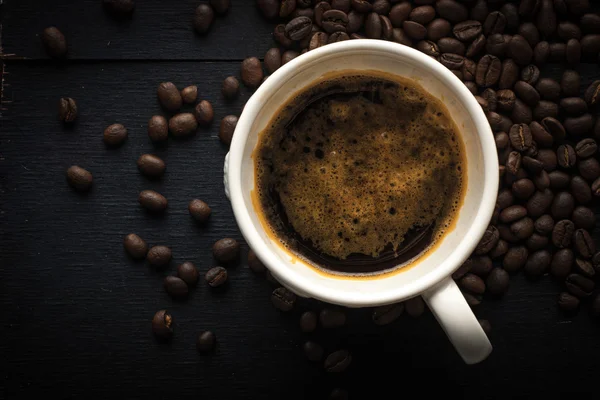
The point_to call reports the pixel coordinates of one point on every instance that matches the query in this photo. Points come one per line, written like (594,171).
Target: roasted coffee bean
(169,97)
(570,83)
(536,242)
(520,50)
(537,263)
(313,351)
(399,13)
(451,10)
(415,307)
(573,106)
(151,165)
(220,6)
(520,134)
(573,52)
(501,138)
(54,42)
(581,190)
(548,158)
(338,361)
(590,23)
(533,166)
(337,37)
(491,97)
(548,89)
(451,45)
(422,14)
(216,276)
(560,6)
(162,325)
(566,155)
(399,36)
(385,315)
(373,26)
(530,74)
(579,285)
(557,52)
(268,8)
(287,7)
(226,250)
(554,127)
(332,318)
(530,32)
(500,249)
(546,18)
(562,263)
(320,8)
(342,5)
(585,267)
(528,7)
(318,39)
(204,113)
(521,113)
(586,148)
(189,94)
(539,203)
(584,218)
(282,299)
(541,180)
(436,29)
(289,55)
(467,31)
(381,7)
(567,302)
(362,6)
(159,256)
(188,272)
(506,234)
(79,179)
(254,262)
(592,94)
(488,71)
(227,129)
(251,72)
(515,258)
(308,322)
(135,246)
(541,53)
(206,342)
(472,283)
(523,228)
(452,61)
(176,287)
(589,168)
(334,21)
(562,205)
(280,37)
(494,23)
(184,124)
(545,109)
(476,46)
(67,109)
(230,88)
(462,270)
(298,28)
(511,12)
(414,30)
(497,281)
(488,241)
(540,135)
(559,180)
(481,265)
(523,188)
(584,244)
(203,18)
(509,74)
(479,11)
(387,28)
(579,126)
(199,210)
(429,48)
(152,201)
(562,233)
(496,45)
(590,46)
(514,162)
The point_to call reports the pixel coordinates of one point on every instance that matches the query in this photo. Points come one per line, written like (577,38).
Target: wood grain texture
(158,29)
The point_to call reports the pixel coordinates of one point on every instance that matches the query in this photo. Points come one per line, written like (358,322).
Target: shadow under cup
(427,269)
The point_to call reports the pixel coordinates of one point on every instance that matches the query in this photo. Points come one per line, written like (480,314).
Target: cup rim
(310,286)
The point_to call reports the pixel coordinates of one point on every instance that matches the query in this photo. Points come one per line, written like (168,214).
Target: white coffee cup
(430,276)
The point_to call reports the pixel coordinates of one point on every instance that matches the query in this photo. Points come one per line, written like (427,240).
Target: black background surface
(75,311)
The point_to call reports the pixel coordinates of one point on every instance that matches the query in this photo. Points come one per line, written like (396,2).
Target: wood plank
(158,30)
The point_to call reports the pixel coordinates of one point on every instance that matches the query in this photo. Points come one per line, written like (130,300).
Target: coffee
(360,173)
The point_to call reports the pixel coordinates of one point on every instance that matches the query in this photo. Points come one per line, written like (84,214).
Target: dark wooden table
(75,311)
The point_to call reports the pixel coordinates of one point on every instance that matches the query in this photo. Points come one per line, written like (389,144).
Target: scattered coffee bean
(152,201)
(220,6)
(280,37)
(67,109)
(332,318)
(585,267)
(188,272)
(226,250)
(189,94)
(589,168)
(230,88)
(562,205)
(308,322)
(151,165)
(537,263)
(562,263)
(79,179)
(562,233)
(579,285)
(115,135)
(497,281)
(592,94)
(283,299)
(472,283)
(269,8)
(162,325)
(135,246)
(583,217)
(313,351)
(158,128)
(216,276)
(227,129)
(176,287)
(500,249)
(204,113)
(288,56)
(54,42)
(567,302)
(488,241)
(169,97)
(199,210)
(159,256)
(415,307)
(184,124)
(338,361)
(273,59)
(334,21)
(584,244)
(573,106)
(203,18)
(251,72)
(515,258)
(206,342)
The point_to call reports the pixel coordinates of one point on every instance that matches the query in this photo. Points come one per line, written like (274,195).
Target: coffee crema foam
(358,167)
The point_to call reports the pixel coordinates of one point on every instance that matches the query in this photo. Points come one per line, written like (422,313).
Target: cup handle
(226,176)
(458,321)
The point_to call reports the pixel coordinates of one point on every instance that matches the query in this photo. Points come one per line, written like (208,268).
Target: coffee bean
(221,6)
(199,210)
(488,241)
(286,8)
(488,71)
(268,8)
(162,325)
(573,52)
(189,94)
(387,28)
(501,138)
(494,23)
(206,341)
(481,265)
(436,29)
(158,128)
(452,61)
(573,106)
(188,273)
(54,42)
(169,97)
(463,269)
(497,281)
(451,45)
(338,361)
(476,46)
(520,134)
(79,179)
(152,201)
(414,30)
(226,250)
(373,26)
(451,10)
(216,276)
(590,46)
(227,129)
(319,39)
(521,113)
(513,164)
(176,287)
(67,109)
(560,7)
(114,135)
(472,283)
(332,318)
(584,218)
(230,88)
(546,18)
(530,74)
(342,5)
(289,55)
(500,249)
(539,203)
(204,113)
(562,263)
(298,28)
(581,190)
(559,180)
(545,109)
(544,225)
(537,263)
(467,31)
(273,59)
(479,11)
(159,256)
(429,48)
(562,233)
(399,13)
(520,50)
(151,165)
(566,155)
(592,94)
(584,244)
(363,6)
(334,21)
(585,267)
(399,36)
(548,158)
(523,228)
(523,188)
(540,135)
(509,74)
(535,167)
(530,32)
(557,52)
(590,23)
(586,148)
(589,168)
(203,18)
(254,262)
(313,351)
(415,307)
(570,83)
(183,124)
(579,285)
(528,7)
(280,37)
(308,322)
(567,302)
(506,234)
(515,258)
(283,299)
(381,7)
(541,53)
(548,89)
(491,97)
(536,242)
(541,180)
(422,14)
(496,45)
(135,246)
(387,314)
(251,72)
(554,127)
